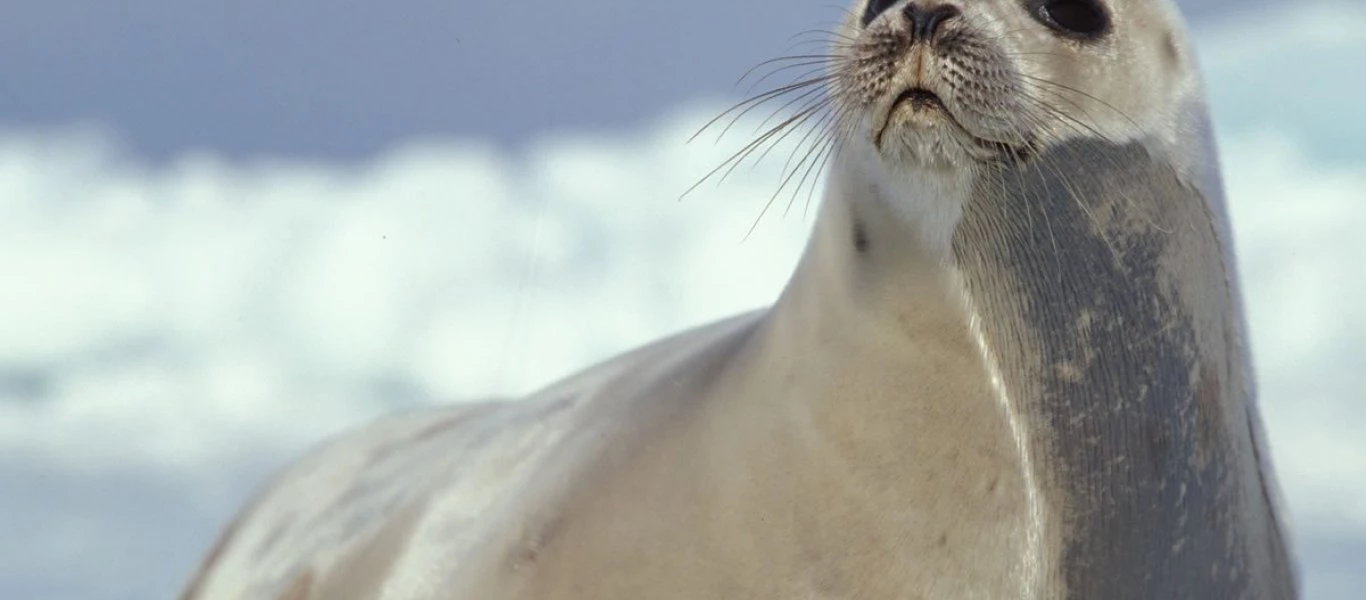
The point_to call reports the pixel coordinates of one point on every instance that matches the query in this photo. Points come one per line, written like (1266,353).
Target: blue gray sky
(345,79)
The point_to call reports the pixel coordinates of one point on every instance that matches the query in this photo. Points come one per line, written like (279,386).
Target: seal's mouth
(921,99)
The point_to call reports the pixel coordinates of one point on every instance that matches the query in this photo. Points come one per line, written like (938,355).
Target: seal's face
(946,83)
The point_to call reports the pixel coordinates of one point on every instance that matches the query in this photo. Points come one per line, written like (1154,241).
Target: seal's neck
(882,247)
(915,209)
(878,295)
(1094,295)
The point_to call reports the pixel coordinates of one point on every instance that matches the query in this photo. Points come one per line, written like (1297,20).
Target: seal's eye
(1085,19)
(875,8)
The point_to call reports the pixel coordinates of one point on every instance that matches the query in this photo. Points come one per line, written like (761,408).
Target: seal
(1010,364)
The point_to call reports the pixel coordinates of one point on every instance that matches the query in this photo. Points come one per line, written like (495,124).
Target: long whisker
(807,108)
(749,104)
(826,35)
(729,164)
(793,124)
(786,179)
(800,59)
(805,99)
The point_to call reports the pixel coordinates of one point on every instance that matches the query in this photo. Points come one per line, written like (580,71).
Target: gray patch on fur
(1072,271)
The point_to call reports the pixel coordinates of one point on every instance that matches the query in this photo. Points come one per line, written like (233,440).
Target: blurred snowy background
(230,229)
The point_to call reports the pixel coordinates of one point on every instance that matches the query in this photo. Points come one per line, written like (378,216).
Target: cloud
(172,333)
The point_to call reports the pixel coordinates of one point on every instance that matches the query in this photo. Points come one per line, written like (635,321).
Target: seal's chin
(919,126)
(915,111)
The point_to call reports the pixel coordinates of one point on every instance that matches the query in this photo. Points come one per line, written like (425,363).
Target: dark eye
(1084,19)
(875,8)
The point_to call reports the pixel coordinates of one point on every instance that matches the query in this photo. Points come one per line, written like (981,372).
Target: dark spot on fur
(943,540)
(1159,444)
(860,236)
(298,588)
(528,550)
(1209,411)
(1171,51)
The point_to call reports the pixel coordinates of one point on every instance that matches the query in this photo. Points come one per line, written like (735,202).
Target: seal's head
(946,84)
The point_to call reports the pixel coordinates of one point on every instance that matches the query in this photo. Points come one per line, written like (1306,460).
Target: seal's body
(1011,364)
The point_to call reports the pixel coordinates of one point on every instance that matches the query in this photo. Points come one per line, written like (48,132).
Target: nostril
(925,21)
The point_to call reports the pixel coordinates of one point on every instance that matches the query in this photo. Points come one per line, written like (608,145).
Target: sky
(348,79)
(189,303)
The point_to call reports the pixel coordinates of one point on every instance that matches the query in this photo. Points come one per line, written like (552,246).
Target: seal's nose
(924,21)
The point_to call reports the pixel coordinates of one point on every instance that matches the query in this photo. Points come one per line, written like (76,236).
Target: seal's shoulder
(366,503)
